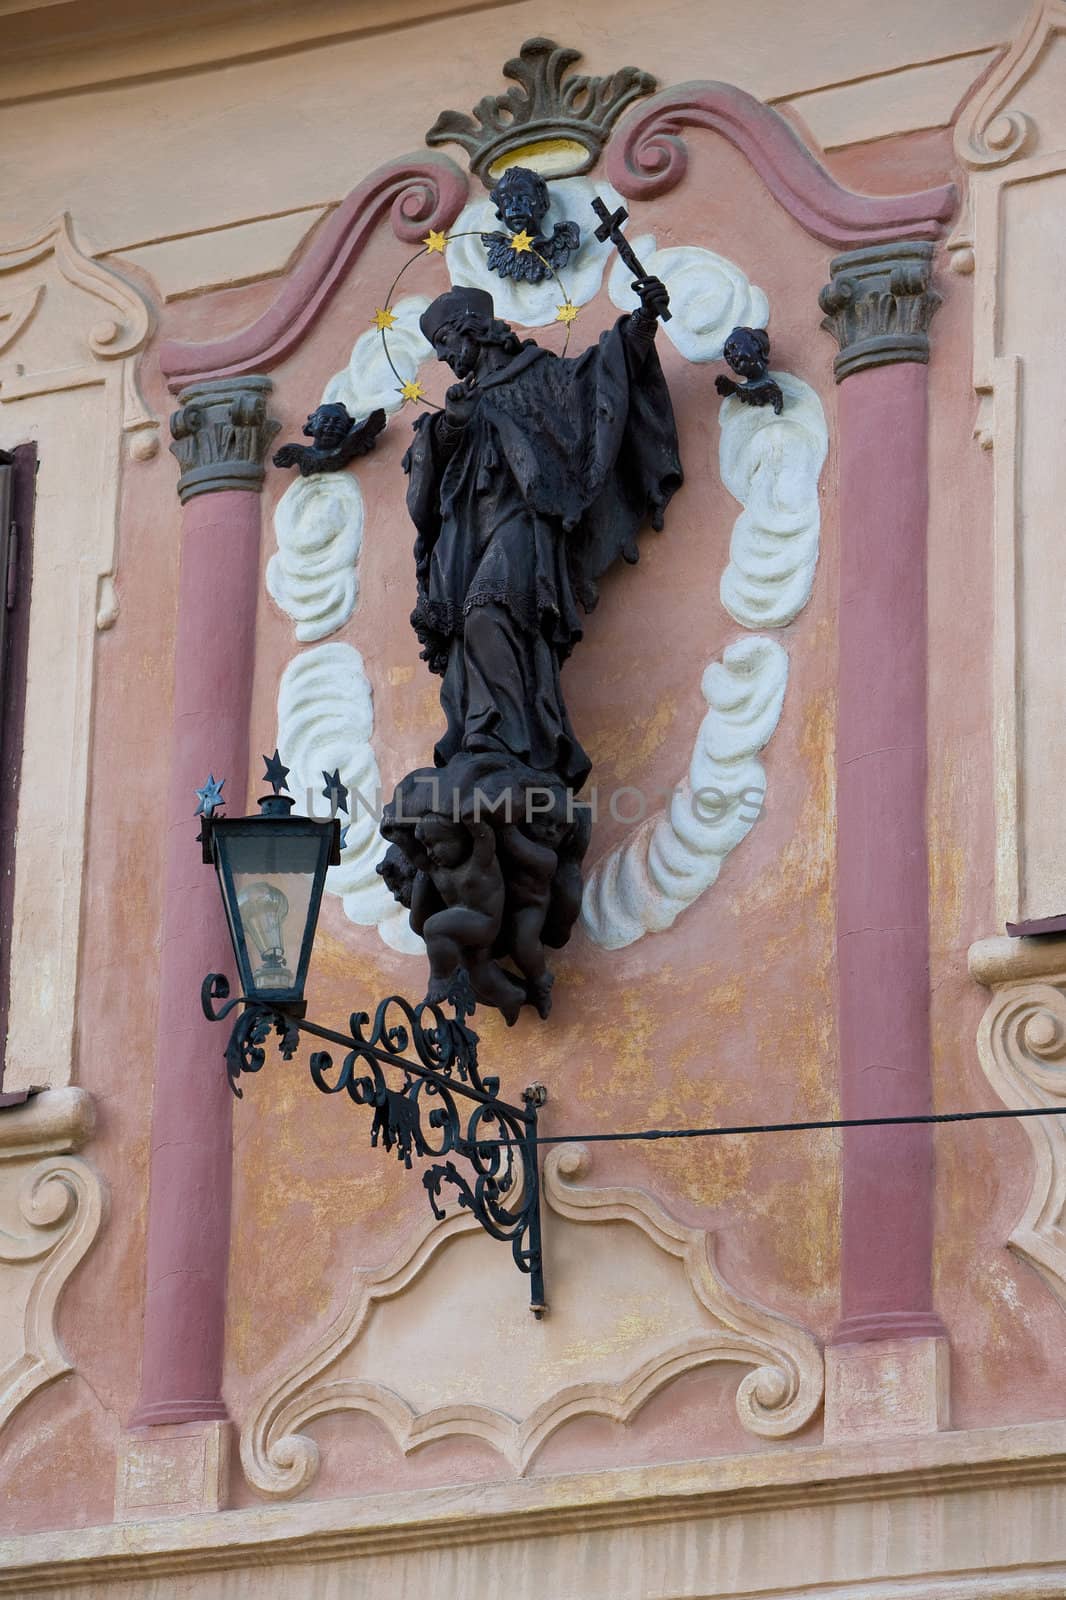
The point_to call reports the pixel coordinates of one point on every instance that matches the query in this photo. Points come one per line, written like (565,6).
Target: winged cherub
(522,203)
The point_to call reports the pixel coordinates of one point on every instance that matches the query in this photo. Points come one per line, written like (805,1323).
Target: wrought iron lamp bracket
(442,1105)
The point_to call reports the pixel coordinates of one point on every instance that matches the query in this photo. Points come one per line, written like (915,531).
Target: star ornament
(335,791)
(566,313)
(412,390)
(383,318)
(435,242)
(521,243)
(276,773)
(210,797)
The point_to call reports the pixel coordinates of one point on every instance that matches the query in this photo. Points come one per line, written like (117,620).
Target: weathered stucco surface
(213,164)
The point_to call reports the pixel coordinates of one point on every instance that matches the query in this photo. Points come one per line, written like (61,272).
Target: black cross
(611,228)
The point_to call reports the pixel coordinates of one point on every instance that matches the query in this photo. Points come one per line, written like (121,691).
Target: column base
(885,1388)
(173,1471)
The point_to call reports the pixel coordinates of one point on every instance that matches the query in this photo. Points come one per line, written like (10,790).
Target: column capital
(221,433)
(879,304)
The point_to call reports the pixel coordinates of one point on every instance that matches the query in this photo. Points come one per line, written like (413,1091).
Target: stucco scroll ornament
(991,130)
(661,1308)
(51,342)
(51,1207)
(1022,1048)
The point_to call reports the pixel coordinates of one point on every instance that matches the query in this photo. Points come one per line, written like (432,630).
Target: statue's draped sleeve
(592,443)
(424,464)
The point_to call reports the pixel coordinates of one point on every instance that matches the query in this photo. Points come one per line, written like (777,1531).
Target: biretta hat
(457,306)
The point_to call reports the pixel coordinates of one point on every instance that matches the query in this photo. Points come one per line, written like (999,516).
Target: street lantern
(271,871)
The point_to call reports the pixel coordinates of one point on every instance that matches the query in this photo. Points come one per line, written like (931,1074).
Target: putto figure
(522,203)
(538,473)
(338,440)
(747,350)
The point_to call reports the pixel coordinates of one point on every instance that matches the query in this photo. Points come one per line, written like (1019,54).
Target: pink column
(879,305)
(221,433)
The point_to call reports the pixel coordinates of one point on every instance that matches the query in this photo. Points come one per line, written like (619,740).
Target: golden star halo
(434,243)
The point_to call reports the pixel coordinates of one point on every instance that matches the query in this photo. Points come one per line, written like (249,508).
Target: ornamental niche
(534,477)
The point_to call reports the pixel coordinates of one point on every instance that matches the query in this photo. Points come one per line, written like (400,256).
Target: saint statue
(536,475)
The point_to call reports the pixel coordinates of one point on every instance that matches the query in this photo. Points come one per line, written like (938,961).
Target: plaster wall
(209,173)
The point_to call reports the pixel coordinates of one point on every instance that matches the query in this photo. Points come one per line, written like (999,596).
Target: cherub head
(548,827)
(328,426)
(446,843)
(398,871)
(747,350)
(521,200)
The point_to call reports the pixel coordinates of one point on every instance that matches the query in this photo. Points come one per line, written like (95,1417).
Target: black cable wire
(785,1127)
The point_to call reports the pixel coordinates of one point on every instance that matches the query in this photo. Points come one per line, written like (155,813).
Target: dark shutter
(18,470)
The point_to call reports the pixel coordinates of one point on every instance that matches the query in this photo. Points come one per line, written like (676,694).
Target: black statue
(747,351)
(522,202)
(535,477)
(338,440)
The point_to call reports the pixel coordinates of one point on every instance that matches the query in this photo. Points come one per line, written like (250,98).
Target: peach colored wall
(726,1016)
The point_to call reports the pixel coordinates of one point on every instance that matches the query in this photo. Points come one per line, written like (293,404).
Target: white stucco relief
(667,862)
(770,464)
(709,296)
(314,573)
(318,522)
(368,381)
(661,1308)
(326,721)
(534,305)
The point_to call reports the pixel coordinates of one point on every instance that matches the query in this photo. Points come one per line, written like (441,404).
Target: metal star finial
(335,792)
(276,773)
(210,797)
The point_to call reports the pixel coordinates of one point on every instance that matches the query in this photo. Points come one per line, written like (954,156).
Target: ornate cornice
(905,1479)
(419,193)
(879,305)
(647,157)
(221,434)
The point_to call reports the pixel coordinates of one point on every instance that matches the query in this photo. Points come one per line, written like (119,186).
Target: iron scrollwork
(426,1114)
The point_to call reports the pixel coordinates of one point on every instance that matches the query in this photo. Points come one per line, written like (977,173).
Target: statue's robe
(518,514)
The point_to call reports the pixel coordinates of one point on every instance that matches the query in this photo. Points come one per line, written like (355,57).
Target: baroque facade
(240,1354)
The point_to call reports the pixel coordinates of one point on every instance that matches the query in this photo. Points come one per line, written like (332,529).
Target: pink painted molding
(420,192)
(647,157)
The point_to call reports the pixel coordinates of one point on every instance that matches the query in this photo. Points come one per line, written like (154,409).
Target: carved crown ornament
(556,124)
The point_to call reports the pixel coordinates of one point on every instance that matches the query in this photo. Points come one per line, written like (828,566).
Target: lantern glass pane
(273,879)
